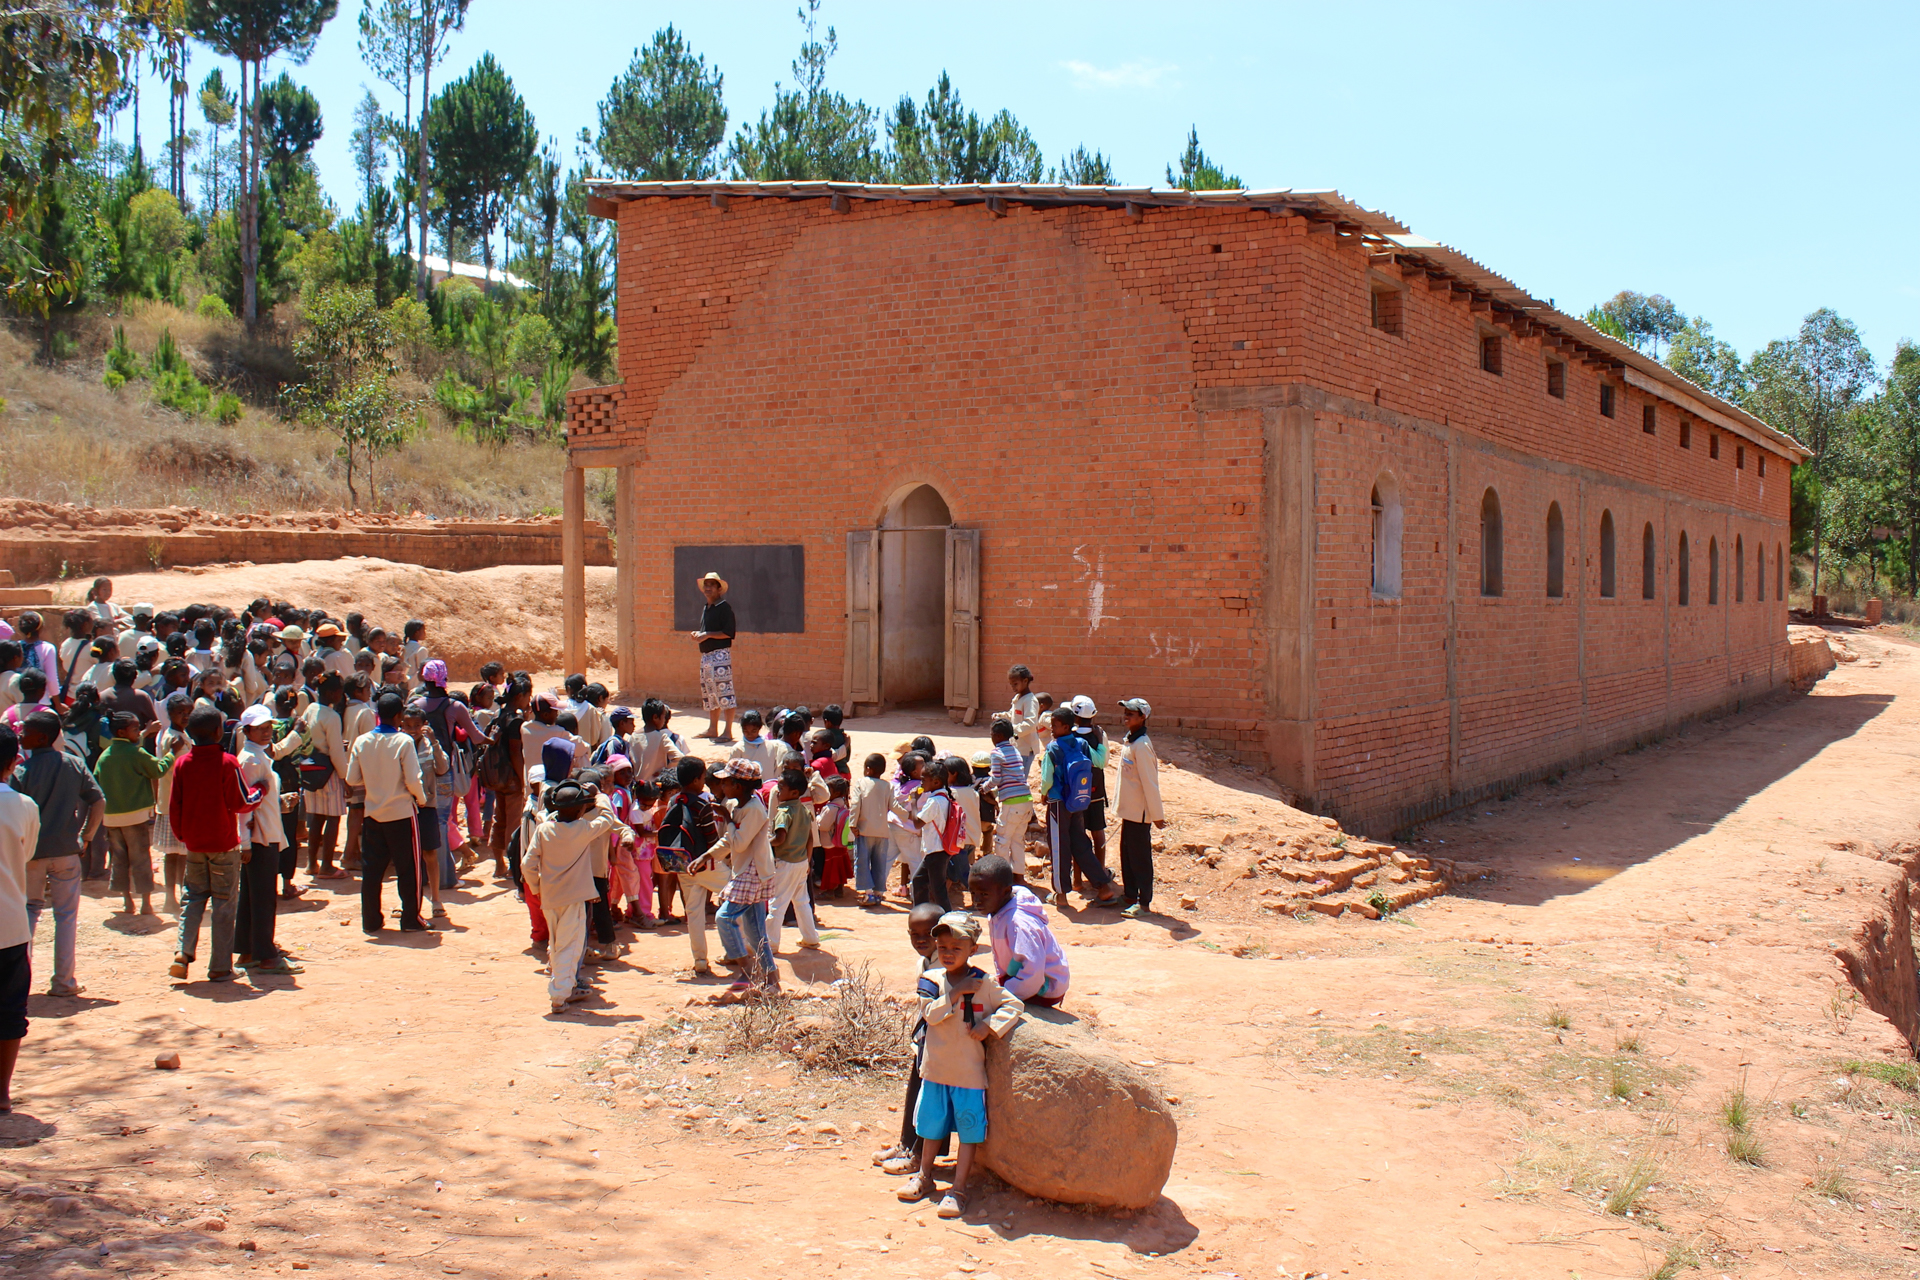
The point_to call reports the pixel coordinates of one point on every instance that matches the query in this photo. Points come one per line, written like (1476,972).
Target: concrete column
(626,590)
(573,571)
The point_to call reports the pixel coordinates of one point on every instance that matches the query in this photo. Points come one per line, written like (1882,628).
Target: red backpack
(953,832)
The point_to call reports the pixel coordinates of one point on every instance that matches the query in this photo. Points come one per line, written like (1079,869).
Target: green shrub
(121,362)
(181,392)
(64,347)
(213,307)
(114,380)
(174,385)
(226,408)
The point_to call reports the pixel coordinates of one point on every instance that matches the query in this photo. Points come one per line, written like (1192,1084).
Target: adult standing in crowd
(717,629)
(72,807)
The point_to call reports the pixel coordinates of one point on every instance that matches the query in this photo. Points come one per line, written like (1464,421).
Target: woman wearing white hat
(715,636)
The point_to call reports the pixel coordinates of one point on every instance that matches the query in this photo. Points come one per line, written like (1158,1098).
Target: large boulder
(1068,1121)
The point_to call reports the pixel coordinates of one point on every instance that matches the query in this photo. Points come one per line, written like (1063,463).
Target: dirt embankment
(42,542)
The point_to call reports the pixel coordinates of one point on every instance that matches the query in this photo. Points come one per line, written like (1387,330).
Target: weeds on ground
(1735,1111)
(1633,1183)
(1560,1019)
(1831,1184)
(1620,1080)
(1680,1257)
(1747,1149)
(1901,1075)
(1628,1043)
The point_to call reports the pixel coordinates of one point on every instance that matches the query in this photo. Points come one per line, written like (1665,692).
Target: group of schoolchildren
(226,741)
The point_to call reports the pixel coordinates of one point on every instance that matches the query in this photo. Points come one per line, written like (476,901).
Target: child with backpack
(1066,780)
(834,833)
(943,833)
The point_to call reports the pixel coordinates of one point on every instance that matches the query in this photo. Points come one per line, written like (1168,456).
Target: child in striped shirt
(1016,797)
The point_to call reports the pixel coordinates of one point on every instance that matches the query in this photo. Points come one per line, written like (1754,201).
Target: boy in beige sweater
(962,1006)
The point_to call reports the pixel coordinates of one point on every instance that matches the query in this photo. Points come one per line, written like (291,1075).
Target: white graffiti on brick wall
(1093,573)
(1178,651)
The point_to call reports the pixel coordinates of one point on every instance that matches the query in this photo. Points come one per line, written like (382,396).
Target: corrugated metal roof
(1388,234)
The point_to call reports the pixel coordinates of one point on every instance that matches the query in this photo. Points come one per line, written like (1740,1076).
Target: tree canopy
(484,142)
(663,119)
(1196,171)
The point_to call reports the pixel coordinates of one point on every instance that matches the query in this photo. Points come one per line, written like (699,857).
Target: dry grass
(857,1028)
(1746,1149)
(67,438)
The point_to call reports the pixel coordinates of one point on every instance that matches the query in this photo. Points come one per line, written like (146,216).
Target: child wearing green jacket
(128,773)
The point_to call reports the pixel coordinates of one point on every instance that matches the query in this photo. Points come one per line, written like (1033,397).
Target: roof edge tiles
(1387,236)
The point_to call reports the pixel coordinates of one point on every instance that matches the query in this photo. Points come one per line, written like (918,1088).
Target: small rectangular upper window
(1606,400)
(1557,379)
(1739,457)
(1647,419)
(1713,444)
(1686,434)
(1761,458)
(1490,353)
(1387,309)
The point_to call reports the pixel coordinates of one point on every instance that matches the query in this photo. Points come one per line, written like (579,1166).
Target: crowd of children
(232,742)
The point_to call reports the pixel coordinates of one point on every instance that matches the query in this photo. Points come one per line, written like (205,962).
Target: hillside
(68,438)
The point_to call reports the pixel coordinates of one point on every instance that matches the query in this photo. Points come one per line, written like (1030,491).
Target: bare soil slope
(1535,1077)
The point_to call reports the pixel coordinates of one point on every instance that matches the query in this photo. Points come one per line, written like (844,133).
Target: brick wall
(1121,407)
(456,545)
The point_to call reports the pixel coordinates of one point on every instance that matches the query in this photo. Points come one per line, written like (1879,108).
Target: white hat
(1083,707)
(255,715)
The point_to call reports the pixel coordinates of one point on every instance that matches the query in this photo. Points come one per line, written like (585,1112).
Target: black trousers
(1136,862)
(1069,845)
(602,914)
(930,881)
(253,926)
(393,844)
(292,824)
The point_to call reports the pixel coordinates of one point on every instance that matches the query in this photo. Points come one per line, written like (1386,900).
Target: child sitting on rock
(962,1006)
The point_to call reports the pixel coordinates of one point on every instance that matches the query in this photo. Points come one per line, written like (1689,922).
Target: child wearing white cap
(1139,805)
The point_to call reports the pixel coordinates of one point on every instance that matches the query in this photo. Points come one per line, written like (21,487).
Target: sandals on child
(918,1187)
(952,1205)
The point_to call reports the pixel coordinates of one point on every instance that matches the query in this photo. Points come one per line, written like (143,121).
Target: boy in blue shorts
(962,1006)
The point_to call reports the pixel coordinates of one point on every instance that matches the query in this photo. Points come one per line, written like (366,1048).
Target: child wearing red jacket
(208,795)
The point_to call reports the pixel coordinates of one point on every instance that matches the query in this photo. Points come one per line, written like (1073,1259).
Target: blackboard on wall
(767,586)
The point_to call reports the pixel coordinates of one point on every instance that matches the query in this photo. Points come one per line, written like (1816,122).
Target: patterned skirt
(716,681)
(329,801)
(164,841)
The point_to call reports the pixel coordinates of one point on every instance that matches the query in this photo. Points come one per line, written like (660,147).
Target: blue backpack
(1074,766)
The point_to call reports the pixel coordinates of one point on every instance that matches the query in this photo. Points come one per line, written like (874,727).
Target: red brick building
(1330,495)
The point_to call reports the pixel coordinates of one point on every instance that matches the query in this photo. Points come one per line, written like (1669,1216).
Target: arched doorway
(913,608)
(913,591)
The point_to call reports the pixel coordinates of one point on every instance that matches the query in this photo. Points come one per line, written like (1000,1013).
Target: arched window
(1713,571)
(1681,569)
(1779,573)
(1606,555)
(1739,569)
(1491,579)
(1760,572)
(1649,562)
(1387,519)
(1556,552)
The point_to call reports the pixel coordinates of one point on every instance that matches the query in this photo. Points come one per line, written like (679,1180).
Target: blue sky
(1751,161)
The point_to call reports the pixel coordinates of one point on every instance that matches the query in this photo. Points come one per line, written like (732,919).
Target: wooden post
(626,590)
(573,571)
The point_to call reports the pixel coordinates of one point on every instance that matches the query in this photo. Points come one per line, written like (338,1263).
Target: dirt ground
(1531,1077)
